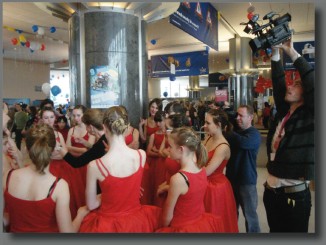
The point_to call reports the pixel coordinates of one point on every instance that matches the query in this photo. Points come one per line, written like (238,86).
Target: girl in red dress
(175,118)
(36,200)
(58,166)
(119,173)
(156,172)
(219,198)
(184,209)
(148,126)
(78,142)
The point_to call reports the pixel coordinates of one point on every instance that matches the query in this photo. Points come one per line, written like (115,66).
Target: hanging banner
(199,20)
(104,87)
(186,64)
(217,80)
(306,49)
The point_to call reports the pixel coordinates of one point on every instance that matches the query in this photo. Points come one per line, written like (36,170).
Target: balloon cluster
(40,29)
(263,84)
(46,89)
(251,10)
(33,46)
(262,54)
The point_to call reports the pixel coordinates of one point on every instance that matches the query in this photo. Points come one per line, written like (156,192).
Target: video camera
(270,34)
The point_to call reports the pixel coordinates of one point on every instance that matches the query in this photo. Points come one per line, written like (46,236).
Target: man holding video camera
(290,145)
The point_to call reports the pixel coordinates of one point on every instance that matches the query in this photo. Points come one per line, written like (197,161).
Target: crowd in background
(187,167)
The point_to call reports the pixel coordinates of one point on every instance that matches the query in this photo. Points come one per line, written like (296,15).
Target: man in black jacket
(290,146)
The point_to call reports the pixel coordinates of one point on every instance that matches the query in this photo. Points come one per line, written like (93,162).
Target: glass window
(60,87)
(174,89)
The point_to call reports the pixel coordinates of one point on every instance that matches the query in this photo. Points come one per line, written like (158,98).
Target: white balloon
(33,45)
(46,88)
(40,31)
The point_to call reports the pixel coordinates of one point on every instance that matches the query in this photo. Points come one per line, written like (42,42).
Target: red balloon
(28,44)
(14,41)
(250,15)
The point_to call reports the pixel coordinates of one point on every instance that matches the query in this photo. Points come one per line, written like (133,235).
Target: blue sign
(186,64)
(198,20)
(306,49)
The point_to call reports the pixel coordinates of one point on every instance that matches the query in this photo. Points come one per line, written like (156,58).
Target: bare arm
(142,129)
(221,153)
(62,198)
(93,201)
(151,150)
(177,187)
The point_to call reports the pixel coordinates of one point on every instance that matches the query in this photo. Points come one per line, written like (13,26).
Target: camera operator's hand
(288,48)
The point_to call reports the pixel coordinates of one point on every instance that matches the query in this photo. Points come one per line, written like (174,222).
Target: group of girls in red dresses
(172,188)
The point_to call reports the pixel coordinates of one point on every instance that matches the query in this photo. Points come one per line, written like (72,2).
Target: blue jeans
(287,212)
(246,196)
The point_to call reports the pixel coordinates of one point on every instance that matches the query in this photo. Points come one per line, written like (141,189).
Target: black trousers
(18,137)
(287,212)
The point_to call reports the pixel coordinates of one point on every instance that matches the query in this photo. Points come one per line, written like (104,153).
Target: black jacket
(295,156)
(97,151)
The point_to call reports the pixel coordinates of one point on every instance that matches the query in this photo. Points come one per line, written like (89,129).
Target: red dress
(171,167)
(120,209)
(129,138)
(219,198)
(31,216)
(189,212)
(77,180)
(60,168)
(151,130)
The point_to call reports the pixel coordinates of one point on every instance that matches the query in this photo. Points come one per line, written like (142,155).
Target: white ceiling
(23,15)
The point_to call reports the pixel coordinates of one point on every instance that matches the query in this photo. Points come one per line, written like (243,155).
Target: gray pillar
(194,93)
(115,40)
(241,84)
(242,90)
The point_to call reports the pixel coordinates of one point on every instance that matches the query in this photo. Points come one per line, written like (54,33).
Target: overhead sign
(306,49)
(217,80)
(185,64)
(198,20)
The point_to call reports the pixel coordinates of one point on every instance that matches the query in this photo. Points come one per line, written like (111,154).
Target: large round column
(116,40)
(240,83)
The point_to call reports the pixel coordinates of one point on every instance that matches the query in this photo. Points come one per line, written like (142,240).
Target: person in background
(93,119)
(32,118)
(232,115)
(20,120)
(36,200)
(117,209)
(148,126)
(201,113)
(291,145)
(266,114)
(219,198)
(78,134)
(183,210)
(62,126)
(156,172)
(12,158)
(241,169)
